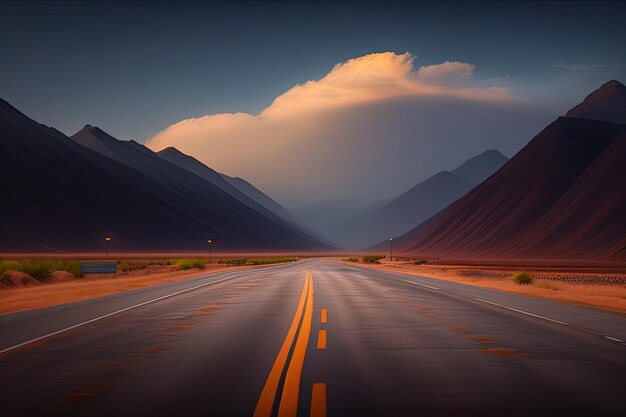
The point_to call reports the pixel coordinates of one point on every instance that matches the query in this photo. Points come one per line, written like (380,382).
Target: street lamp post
(209,242)
(391,249)
(107,240)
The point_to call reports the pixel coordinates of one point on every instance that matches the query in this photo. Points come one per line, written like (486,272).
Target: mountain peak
(170,150)
(94,131)
(475,170)
(607,103)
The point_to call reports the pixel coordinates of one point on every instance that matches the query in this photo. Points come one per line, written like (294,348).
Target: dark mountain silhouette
(562,196)
(63,196)
(237,187)
(607,103)
(176,157)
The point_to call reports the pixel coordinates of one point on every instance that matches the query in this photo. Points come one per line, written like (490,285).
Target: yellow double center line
(288,406)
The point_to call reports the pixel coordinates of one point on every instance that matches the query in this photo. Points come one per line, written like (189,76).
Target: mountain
(562,196)
(416,205)
(607,103)
(355,222)
(429,197)
(176,157)
(237,187)
(477,169)
(259,196)
(59,195)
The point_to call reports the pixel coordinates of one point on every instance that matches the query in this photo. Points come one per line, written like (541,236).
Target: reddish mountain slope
(607,103)
(545,202)
(577,226)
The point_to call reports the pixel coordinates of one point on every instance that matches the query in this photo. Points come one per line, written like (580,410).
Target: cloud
(381,76)
(343,133)
(579,67)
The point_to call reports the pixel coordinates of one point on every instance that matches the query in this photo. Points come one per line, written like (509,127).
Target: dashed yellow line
(318,400)
(323,317)
(321,339)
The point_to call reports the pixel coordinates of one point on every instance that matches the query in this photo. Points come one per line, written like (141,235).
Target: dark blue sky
(135,68)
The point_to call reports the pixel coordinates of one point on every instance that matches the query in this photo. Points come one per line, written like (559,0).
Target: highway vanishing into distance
(313,338)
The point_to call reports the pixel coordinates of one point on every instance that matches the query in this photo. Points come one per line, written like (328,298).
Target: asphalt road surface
(313,338)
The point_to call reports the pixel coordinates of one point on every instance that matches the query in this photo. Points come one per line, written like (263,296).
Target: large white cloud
(371,121)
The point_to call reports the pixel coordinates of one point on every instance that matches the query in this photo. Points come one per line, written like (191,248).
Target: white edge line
(522,311)
(109,315)
(614,339)
(422,285)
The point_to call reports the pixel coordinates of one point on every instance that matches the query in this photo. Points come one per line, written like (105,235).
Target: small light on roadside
(107,238)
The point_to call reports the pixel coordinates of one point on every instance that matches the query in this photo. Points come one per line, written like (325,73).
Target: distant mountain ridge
(427,198)
(356,225)
(562,196)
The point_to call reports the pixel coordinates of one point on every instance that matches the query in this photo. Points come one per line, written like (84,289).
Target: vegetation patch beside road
(43,282)
(606,291)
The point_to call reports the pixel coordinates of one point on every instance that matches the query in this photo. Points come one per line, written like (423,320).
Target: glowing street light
(391,249)
(107,240)
(209,242)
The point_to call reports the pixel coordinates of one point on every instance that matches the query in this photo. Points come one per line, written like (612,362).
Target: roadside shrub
(5,278)
(419,262)
(351,260)
(188,263)
(237,262)
(41,269)
(372,259)
(523,278)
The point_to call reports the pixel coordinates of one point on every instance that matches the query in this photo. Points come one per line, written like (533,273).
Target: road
(313,338)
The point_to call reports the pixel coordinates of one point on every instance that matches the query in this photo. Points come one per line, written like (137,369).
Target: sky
(499,72)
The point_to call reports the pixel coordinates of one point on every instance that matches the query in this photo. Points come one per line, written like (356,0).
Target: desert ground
(589,283)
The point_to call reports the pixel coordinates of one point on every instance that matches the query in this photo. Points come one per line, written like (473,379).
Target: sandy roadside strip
(606,297)
(45,295)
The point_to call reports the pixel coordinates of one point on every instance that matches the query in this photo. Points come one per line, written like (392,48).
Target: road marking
(614,339)
(266,400)
(109,315)
(318,400)
(321,339)
(521,311)
(421,285)
(291,390)
(324,316)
